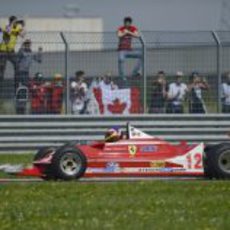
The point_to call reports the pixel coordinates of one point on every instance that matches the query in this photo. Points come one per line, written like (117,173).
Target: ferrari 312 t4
(137,154)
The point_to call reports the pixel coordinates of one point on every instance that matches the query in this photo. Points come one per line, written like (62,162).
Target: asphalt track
(100,180)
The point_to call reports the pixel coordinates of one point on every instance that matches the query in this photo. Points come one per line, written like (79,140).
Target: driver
(113,134)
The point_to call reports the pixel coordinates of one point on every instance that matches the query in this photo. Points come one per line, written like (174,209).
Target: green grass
(142,205)
(134,205)
(16,158)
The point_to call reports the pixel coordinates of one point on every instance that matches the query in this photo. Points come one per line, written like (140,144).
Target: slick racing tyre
(68,164)
(217,161)
(42,153)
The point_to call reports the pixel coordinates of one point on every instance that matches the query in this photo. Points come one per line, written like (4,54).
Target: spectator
(24,59)
(113,85)
(125,34)
(226,95)
(106,83)
(92,105)
(196,102)
(95,82)
(79,93)
(176,95)
(38,95)
(23,62)
(54,95)
(159,94)
(10,35)
(97,87)
(21,97)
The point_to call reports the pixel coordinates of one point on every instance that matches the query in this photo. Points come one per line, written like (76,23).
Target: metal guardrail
(27,133)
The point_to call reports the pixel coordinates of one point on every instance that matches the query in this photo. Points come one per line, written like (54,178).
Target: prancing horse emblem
(132,150)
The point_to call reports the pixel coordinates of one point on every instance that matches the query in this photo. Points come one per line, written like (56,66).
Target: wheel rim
(224,161)
(70,164)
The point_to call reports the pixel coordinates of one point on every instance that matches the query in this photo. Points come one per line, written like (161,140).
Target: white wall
(148,14)
(49,32)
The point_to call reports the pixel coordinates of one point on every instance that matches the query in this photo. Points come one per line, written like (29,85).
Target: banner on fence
(118,101)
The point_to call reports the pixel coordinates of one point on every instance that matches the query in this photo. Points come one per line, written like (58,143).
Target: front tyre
(217,161)
(69,163)
(43,152)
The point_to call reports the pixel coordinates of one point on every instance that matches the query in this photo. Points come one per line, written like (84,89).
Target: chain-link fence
(85,73)
(194,56)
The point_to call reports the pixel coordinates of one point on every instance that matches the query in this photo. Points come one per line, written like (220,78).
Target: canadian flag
(118,101)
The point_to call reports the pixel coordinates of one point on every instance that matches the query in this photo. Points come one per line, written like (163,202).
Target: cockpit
(115,134)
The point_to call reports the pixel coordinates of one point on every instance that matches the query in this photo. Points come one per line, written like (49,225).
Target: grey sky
(148,14)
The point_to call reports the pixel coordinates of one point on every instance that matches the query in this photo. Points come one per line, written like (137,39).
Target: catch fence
(65,53)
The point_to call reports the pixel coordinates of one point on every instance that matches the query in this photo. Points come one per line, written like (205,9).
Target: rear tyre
(207,162)
(217,161)
(42,153)
(69,164)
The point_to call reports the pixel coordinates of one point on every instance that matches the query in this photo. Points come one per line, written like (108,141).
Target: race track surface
(100,180)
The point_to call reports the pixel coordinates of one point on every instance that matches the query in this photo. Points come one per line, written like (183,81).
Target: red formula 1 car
(136,155)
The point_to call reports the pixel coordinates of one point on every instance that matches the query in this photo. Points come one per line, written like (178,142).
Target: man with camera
(176,94)
(196,88)
(10,34)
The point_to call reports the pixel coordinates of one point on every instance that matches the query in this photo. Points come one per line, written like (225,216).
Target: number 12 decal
(194,161)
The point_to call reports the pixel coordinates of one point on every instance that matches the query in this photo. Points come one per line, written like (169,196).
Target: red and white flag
(118,101)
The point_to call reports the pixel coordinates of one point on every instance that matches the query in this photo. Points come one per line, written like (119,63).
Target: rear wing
(134,133)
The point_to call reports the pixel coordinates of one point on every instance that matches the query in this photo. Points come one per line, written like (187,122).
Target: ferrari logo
(132,150)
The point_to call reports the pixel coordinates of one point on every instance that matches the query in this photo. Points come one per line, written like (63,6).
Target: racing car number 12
(194,161)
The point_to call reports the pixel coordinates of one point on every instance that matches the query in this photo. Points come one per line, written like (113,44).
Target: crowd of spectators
(45,96)
(171,97)
(41,95)
(82,96)
(21,60)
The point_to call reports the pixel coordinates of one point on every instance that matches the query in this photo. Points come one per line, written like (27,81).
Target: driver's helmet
(113,134)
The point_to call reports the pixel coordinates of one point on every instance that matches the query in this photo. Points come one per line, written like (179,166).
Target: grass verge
(134,205)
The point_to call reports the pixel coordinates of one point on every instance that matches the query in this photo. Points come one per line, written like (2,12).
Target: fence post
(144,72)
(218,67)
(67,93)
